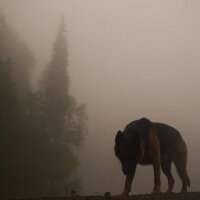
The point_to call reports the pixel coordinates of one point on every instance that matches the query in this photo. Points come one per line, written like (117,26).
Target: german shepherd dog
(144,142)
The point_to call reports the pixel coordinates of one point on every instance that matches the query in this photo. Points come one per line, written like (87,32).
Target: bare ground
(172,196)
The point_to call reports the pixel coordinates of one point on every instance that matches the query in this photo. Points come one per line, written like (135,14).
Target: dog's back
(168,137)
(141,126)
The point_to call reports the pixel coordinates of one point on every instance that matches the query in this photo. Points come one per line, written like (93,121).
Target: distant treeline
(40,131)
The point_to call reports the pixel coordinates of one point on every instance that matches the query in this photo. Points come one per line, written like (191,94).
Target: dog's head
(128,151)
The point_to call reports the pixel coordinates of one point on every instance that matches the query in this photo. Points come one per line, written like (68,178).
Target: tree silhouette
(65,119)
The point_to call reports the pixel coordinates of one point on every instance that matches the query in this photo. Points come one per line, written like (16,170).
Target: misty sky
(127,59)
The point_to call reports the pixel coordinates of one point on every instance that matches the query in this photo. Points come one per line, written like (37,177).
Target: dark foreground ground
(173,196)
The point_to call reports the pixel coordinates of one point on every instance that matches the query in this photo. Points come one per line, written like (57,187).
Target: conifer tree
(56,85)
(65,119)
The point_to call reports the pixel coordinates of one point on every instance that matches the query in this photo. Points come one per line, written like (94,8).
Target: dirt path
(173,196)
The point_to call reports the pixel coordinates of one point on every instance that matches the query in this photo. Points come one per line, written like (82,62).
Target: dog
(144,142)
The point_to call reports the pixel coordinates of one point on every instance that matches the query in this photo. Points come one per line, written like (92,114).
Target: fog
(127,60)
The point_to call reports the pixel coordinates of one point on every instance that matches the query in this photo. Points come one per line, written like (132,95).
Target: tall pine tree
(56,85)
(65,119)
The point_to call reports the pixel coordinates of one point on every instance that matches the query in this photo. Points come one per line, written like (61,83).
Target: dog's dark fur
(143,142)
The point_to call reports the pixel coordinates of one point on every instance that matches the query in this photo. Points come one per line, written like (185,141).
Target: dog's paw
(156,191)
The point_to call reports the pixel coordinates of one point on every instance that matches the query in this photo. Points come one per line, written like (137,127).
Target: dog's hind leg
(166,168)
(181,169)
(180,161)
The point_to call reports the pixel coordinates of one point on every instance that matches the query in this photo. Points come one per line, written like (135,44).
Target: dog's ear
(119,137)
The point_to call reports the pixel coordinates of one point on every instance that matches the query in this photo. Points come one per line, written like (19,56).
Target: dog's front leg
(127,187)
(157,182)
(154,154)
(128,183)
